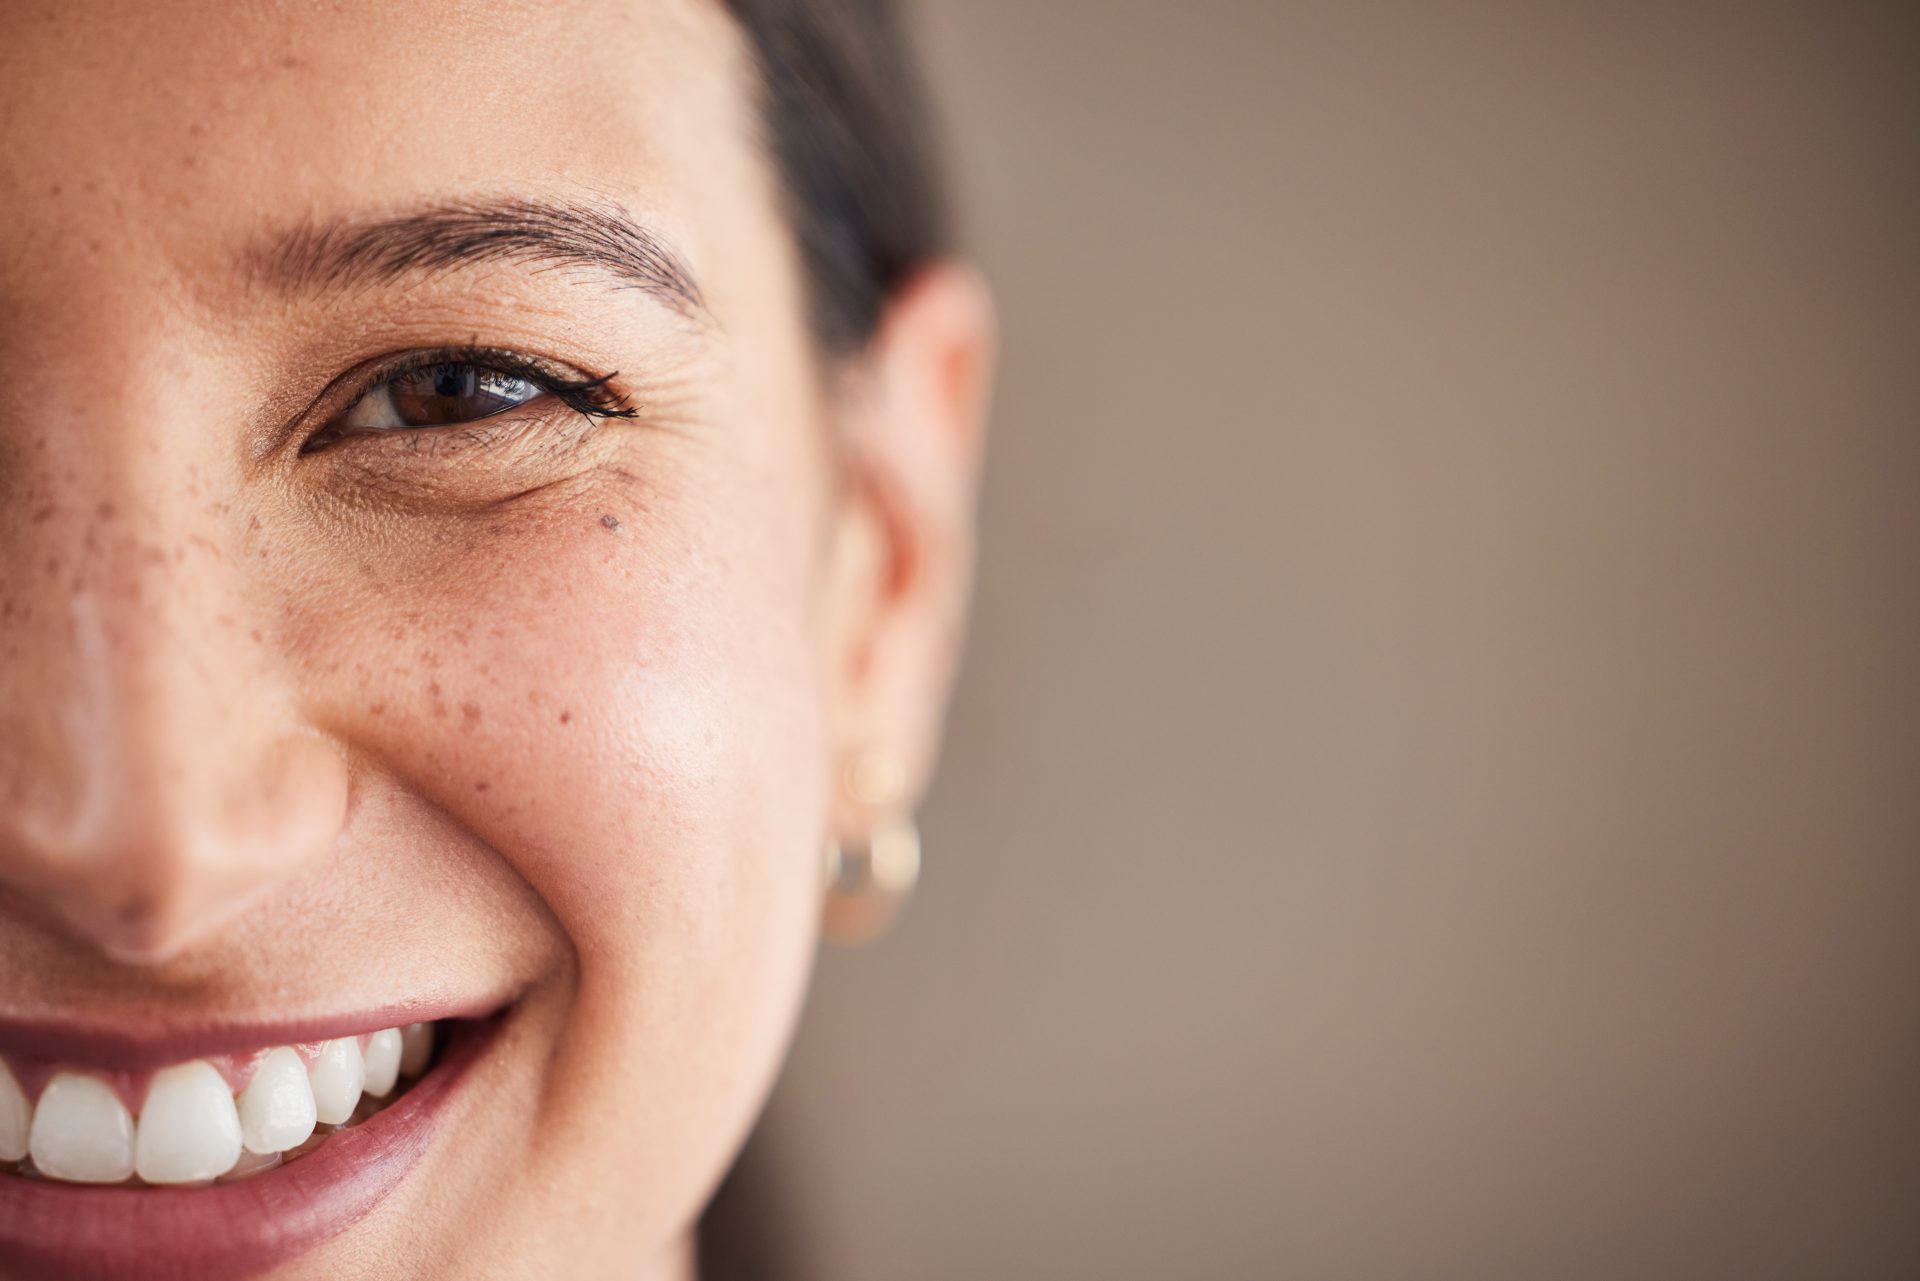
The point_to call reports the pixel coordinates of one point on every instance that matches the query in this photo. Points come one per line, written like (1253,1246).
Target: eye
(437,395)
(451,388)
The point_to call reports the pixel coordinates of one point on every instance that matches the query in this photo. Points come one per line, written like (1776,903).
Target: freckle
(470,713)
(44,515)
(253,522)
(610,521)
(433,688)
(482,786)
(53,564)
(257,638)
(378,709)
(566,718)
(54,190)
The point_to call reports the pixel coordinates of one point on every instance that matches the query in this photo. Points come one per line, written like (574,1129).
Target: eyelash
(590,397)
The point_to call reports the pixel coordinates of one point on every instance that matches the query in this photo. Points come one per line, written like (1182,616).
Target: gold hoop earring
(868,882)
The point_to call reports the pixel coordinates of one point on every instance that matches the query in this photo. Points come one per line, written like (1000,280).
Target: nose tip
(171,854)
(154,777)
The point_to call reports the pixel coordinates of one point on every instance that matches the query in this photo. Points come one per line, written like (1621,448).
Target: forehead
(175,132)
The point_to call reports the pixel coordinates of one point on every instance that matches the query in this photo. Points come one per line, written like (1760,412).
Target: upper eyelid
(498,359)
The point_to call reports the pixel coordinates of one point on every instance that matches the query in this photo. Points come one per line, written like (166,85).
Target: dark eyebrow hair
(543,234)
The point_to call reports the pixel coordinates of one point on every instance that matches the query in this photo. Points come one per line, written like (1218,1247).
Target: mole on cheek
(611,521)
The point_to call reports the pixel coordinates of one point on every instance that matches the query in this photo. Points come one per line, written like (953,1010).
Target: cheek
(616,691)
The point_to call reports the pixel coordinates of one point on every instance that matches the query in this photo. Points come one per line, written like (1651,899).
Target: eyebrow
(544,235)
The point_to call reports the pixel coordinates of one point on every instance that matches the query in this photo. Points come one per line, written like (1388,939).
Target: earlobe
(912,447)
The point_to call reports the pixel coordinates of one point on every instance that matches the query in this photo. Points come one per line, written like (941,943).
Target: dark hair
(846,127)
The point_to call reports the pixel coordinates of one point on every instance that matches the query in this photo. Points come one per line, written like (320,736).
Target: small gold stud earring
(868,881)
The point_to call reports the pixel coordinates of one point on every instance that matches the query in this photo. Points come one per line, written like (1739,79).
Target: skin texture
(554,712)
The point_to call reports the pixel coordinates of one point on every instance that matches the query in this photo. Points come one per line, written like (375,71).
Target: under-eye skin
(459,389)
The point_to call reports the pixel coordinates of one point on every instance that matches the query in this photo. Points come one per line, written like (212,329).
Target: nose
(155,779)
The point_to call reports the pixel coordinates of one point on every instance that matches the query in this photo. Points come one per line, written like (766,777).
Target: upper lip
(150,1043)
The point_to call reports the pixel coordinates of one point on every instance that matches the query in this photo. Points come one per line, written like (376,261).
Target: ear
(901,551)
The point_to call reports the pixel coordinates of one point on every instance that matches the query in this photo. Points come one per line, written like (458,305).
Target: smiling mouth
(189,1156)
(218,1118)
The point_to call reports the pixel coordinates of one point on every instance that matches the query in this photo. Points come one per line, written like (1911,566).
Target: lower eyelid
(542,425)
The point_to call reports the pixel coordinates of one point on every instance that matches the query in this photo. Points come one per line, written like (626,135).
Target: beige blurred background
(1435,791)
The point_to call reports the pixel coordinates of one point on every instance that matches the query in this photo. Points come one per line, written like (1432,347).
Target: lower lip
(64,1232)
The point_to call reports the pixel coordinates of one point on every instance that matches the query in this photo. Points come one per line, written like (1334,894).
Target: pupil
(454,380)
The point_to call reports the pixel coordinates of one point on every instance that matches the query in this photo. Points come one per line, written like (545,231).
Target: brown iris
(444,394)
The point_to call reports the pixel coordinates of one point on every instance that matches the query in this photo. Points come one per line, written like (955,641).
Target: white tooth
(81,1131)
(16,1116)
(276,1108)
(336,1078)
(189,1131)
(383,1062)
(416,1047)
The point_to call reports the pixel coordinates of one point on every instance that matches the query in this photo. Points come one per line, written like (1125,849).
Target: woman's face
(328,704)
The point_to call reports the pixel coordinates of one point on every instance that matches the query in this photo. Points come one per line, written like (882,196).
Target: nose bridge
(154,779)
